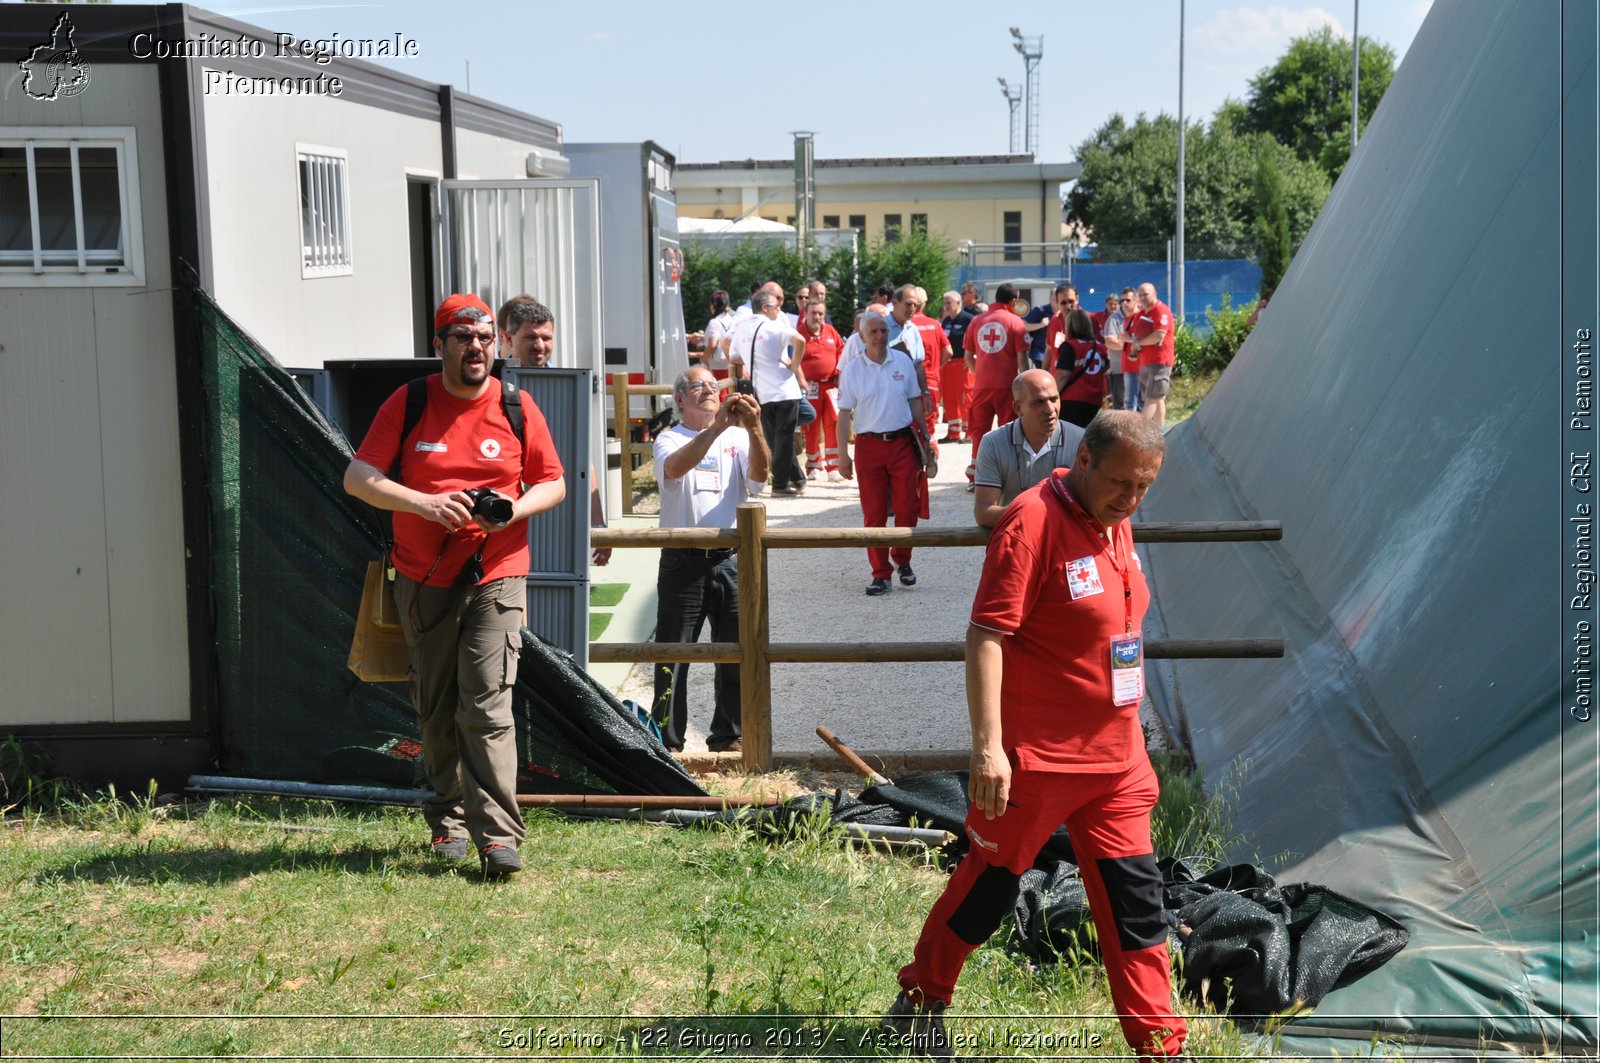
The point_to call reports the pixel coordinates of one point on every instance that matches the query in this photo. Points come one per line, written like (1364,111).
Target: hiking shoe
(918,1027)
(450,847)
(499,861)
(725,745)
(877,587)
(908,578)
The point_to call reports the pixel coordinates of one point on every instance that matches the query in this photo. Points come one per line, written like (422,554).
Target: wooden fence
(755,653)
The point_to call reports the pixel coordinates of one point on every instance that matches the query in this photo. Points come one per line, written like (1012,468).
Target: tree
(1303,100)
(1272,220)
(1128,190)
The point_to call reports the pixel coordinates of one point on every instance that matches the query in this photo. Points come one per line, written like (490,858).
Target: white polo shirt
(879,395)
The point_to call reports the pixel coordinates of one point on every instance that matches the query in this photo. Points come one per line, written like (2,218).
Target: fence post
(619,406)
(755,670)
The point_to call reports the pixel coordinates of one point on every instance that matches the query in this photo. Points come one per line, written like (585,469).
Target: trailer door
(541,238)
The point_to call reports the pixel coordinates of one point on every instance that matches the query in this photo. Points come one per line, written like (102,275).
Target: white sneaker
(834,477)
(816,474)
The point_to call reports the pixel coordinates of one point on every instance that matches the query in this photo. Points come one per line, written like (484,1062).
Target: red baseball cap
(461,309)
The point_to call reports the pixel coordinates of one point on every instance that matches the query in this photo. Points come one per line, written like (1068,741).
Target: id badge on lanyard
(1127,669)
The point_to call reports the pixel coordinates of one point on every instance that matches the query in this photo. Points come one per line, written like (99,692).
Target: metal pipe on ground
(373,795)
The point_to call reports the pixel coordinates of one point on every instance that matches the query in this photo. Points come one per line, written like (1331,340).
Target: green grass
(606,595)
(1187,391)
(244,914)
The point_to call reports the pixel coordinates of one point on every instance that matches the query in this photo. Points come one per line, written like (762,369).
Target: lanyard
(1118,559)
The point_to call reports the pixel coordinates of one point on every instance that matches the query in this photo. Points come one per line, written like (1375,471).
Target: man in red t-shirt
(1054,678)
(1154,340)
(820,366)
(461,574)
(997,345)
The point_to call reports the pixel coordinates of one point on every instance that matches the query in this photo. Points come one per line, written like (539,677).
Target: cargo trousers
(462,674)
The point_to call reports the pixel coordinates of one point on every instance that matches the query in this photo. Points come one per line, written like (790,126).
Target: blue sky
(720,81)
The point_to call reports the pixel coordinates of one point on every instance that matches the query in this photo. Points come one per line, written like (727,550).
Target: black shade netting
(289,550)
(1251,947)
(1248,946)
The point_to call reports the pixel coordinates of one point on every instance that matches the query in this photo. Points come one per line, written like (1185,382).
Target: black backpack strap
(511,403)
(416,403)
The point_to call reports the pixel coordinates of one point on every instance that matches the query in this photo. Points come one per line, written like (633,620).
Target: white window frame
(329,196)
(32,271)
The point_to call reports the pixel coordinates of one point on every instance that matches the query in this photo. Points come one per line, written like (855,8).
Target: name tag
(436,448)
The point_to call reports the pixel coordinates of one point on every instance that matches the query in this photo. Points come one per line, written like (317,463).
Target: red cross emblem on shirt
(992,338)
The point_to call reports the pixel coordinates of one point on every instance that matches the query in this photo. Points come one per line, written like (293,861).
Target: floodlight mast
(1032,50)
(1013,95)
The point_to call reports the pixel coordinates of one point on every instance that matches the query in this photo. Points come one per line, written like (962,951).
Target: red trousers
(1108,818)
(822,433)
(885,468)
(953,381)
(990,406)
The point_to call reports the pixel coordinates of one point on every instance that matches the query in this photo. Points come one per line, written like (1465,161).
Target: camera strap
(470,575)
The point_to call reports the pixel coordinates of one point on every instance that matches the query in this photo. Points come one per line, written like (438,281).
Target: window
(891,228)
(858,222)
(919,224)
(1013,235)
(789,220)
(324,212)
(830,221)
(69,207)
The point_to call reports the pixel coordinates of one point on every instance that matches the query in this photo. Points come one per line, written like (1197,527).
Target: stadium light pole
(1013,95)
(1032,50)
(1182,134)
(1355,80)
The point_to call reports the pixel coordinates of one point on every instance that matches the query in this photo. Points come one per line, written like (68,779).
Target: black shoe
(450,847)
(877,587)
(499,861)
(908,578)
(918,1027)
(725,745)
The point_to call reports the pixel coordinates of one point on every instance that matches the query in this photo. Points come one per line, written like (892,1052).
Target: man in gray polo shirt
(1016,456)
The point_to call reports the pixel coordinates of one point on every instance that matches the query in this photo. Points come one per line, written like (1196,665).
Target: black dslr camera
(489,504)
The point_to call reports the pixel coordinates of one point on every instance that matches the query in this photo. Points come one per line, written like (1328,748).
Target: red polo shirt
(820,362)
(995,339)
(1060,591)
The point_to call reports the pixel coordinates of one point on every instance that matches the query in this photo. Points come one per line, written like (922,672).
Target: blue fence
(1206,281)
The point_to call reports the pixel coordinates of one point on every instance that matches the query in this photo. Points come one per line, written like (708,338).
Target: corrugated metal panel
(559,539)
(558,612)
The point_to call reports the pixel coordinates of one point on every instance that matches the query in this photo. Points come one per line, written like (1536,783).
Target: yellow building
(985,199)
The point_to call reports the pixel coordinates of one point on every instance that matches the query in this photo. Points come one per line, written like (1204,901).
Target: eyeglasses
(485,338)
(700,387)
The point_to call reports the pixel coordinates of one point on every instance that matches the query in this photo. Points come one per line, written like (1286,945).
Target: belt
(898,433)
(694,551)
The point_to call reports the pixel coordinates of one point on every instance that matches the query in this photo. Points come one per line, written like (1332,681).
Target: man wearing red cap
(461,565)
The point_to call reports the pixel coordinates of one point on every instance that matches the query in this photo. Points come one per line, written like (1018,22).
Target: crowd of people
(967,365)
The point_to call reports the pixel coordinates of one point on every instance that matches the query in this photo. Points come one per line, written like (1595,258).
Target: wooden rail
(755,654)
(621,392)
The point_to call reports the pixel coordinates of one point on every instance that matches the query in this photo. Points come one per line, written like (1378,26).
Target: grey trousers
(461,677)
